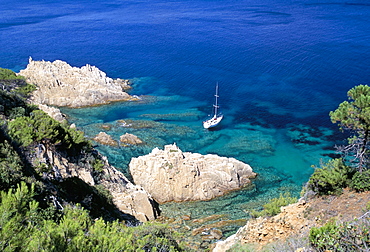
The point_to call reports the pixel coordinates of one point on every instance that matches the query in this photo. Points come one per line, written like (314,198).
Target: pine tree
(354,116)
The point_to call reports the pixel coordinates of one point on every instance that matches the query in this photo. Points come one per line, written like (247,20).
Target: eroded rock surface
(128,198)
(265,230)
(60,84)
(173,175)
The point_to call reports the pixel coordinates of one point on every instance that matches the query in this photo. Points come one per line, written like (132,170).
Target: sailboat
(217,117)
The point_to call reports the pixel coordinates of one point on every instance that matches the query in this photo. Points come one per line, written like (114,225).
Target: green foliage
(25,90)
(273,207)
(45,127)
(41,128)
(73,138)
(361,181)
(18,215)
(16,112)
(104,193)
(7,74)
(354,115)
(331,178)
(98,165)
(22,130)
(325,237)
(10,166)
(156,237)
(77,232)
(24,228)
(346,236)
(10,101)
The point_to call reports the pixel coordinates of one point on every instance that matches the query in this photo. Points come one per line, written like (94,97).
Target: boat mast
(216,95)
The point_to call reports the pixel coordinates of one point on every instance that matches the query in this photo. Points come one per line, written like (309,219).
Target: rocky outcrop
(60,84)
(105,139)
(53,112)
(128,198)
(130,139)
(173,175)
(265,230)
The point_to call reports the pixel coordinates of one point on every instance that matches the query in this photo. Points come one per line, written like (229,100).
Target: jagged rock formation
(60,84)
(129,198)
(265,230)
(105,139)
(173,175)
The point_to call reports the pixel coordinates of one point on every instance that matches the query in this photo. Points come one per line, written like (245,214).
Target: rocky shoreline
(59,84)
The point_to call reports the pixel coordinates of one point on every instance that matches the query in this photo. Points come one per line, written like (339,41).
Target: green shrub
(25,90)
(273,207)
(24,228)
(17,112)
(41,128)
(98,165)
(331,178)
(325,237)
(361,181)
(104,193)
(73,138)
(346,236)
(7,74)
(9,101)
(10,166)
(18,214)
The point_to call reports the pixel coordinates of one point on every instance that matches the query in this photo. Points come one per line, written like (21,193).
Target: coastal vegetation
(39,214)
(274,206)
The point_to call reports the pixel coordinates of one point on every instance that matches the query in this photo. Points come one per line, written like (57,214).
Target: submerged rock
(173,175)
(130,139)
(105,139)
(60,84)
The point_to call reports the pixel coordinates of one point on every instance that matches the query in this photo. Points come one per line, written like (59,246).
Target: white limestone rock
(60,84)
(173,175)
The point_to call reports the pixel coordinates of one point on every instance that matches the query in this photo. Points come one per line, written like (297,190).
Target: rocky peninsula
(60,84)
(173,175)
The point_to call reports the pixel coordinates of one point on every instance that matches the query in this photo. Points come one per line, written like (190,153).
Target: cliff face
(128,198)
(265,230)
(295,220)
(173,175)
(60,84)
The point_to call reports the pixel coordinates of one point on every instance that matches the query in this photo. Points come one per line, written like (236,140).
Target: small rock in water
(186,217)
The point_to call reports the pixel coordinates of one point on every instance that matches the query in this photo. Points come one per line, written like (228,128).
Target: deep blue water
(281,67)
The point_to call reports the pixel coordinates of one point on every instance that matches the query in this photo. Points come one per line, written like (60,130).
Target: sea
(281,67)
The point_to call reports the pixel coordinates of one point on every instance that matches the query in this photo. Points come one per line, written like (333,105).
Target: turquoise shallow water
(282,157)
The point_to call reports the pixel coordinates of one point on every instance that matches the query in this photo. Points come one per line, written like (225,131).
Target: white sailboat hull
(214,121)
